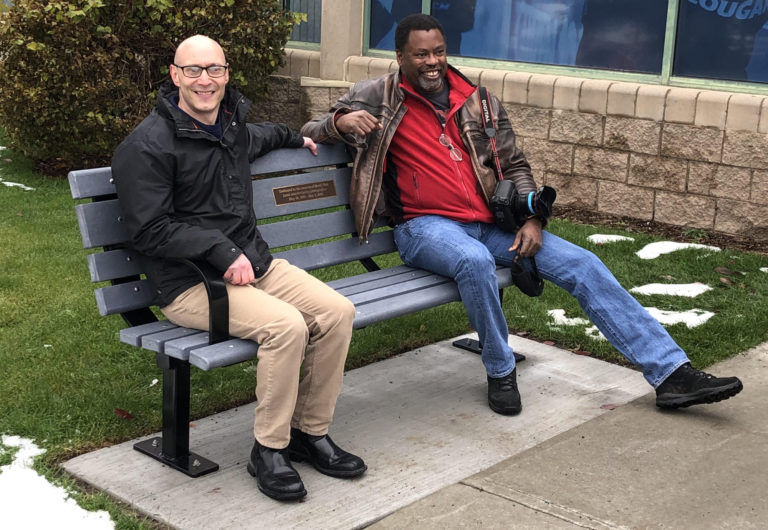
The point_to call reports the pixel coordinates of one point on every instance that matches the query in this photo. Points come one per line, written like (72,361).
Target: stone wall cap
(324,83)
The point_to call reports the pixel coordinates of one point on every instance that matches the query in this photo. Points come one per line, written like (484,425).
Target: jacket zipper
(443,123)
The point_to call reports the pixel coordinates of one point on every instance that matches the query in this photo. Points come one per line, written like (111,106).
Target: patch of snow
(691,318)
(30,501)
(654,250)
(16,185)
(595,333)
(599,239)
(559,318)
(558,315)
(764,269)
(691,290)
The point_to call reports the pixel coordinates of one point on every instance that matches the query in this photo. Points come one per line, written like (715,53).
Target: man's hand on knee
(240,272)
(528,239)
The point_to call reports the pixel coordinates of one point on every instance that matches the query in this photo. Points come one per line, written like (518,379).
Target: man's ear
(174,75)
(399,57)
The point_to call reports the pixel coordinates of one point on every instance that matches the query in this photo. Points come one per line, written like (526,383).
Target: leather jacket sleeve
(514,166)
(323,129)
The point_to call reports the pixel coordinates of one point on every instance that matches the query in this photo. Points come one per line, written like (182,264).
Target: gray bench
(291,182)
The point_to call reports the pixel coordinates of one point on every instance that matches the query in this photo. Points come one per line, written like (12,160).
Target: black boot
(274,474)
(324,455)
(503,396)
(687,386)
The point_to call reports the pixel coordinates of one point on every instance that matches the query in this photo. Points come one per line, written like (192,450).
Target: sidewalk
(420,420)
(635,467)
(590,450)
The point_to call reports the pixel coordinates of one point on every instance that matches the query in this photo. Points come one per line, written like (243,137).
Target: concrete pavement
(420,420)
(590,450)
(634,467)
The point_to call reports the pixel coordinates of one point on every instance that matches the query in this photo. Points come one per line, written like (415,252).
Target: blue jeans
(469,252)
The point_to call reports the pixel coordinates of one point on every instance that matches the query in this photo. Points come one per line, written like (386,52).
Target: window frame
(664,78)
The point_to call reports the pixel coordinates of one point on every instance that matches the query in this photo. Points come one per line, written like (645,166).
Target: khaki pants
(295,318)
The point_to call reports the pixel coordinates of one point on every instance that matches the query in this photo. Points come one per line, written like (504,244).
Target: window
(710,39)
(309,30)
(722,39)
(384,17)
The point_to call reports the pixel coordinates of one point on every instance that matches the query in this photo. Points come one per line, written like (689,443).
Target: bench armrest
(218,300)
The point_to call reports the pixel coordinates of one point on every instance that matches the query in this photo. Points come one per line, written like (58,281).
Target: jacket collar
(233,111)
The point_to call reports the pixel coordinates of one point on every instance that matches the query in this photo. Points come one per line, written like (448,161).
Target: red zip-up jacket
(421,177)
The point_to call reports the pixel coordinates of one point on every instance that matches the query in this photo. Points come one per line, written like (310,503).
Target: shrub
(78,75)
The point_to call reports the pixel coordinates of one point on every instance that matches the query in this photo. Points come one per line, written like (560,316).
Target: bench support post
(172,448)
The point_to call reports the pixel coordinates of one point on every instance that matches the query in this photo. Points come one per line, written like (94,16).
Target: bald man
(183,178)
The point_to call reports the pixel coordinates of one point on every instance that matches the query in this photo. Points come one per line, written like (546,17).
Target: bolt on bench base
(191,464)
(474,346)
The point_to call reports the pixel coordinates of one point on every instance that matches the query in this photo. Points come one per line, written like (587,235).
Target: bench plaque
(304,192)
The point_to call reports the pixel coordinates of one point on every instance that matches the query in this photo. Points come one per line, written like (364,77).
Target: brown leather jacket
(383,98)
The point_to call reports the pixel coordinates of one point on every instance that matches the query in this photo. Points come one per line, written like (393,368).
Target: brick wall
(687,157)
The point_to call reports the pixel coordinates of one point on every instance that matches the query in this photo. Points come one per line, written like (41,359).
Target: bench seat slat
(180,348)
(351,281)
(156,341)
(370,310)
(362,283)
(387,291)
(405,304)
(134,334)
(225,353)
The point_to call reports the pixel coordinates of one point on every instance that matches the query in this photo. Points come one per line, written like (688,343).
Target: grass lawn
(68,382)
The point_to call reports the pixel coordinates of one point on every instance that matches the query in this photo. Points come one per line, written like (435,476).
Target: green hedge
(78,75)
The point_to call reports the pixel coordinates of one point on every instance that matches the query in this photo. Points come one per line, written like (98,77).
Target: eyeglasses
(193,70)
(455,153)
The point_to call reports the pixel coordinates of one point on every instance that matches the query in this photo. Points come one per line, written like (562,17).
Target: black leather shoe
(274,474)
(503,396)
(324,455)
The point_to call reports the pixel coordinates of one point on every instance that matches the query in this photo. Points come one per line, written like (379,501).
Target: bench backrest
(313,191)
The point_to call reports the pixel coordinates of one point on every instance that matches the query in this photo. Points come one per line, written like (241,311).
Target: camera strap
(490,127)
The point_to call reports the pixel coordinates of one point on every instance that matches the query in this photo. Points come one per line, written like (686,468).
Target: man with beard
(425,161)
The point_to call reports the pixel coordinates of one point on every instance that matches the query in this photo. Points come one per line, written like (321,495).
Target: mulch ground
(670,232)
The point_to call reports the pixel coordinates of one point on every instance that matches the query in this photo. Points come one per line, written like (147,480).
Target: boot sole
(277,495)
(679,401)
(299,457)
(505,412)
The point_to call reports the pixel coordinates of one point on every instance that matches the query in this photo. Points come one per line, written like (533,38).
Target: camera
(511,209)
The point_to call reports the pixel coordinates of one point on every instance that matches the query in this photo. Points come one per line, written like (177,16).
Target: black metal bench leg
(172,448)
(474,345)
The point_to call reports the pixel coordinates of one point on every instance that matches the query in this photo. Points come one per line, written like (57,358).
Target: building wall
(687,157)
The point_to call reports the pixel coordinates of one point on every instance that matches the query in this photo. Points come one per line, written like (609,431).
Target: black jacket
(186,194)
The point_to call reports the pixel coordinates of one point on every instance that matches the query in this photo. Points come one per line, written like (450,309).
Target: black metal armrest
(218,301)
